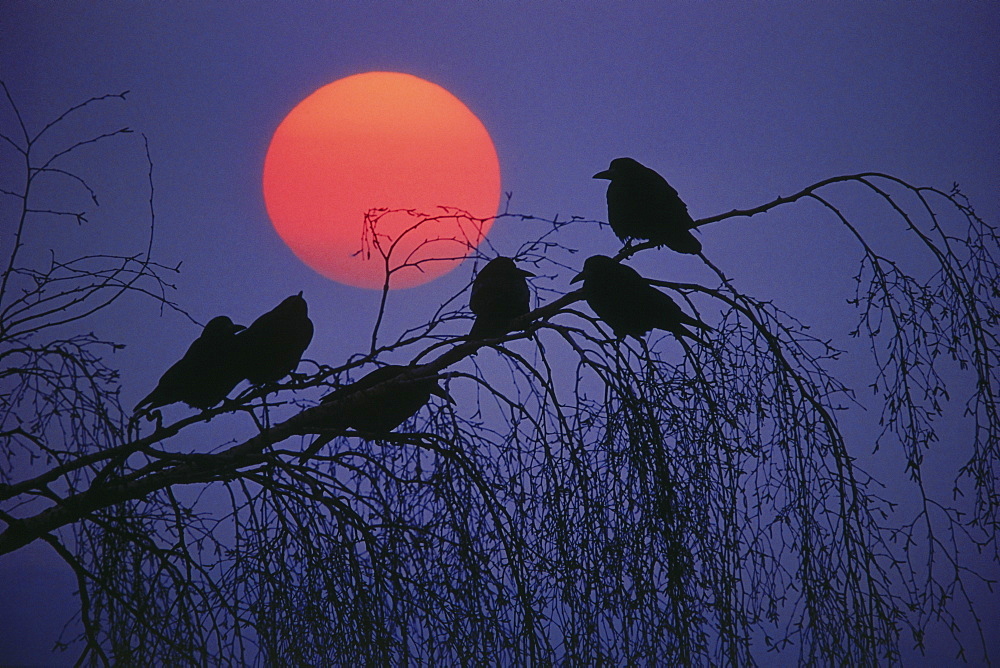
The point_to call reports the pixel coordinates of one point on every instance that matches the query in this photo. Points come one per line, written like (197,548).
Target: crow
(205,375)
(271,347)
(629,304)
(642,205)
(377,403)
(499,295)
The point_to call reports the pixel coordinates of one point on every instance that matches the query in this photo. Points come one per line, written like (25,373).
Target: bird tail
(684,331)
(694,322)
(486,327)
(700,325)
(683,242)
(147,403)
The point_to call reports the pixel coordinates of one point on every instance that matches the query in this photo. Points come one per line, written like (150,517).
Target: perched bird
(642,205)
(629,304)
(207,372)
(378,403)
(271,347)
(499,295)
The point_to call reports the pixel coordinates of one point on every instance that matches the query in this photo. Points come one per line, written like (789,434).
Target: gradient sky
(734,104)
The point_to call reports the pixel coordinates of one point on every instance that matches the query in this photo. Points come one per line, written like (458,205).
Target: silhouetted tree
(587,500)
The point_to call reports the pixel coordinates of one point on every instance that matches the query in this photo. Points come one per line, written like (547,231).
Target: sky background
(735,104)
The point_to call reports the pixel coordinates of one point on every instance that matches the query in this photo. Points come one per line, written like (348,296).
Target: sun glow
(380,140)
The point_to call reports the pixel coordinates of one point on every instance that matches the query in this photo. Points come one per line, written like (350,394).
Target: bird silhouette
(642,205)
(271,347)
(207,372)
(377,403)
(499,295)
(629,304)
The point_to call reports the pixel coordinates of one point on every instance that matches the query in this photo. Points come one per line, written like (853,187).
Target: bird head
(295,304)
(619,167)
(523,272)
(594,264)
(504,265)
(221,325)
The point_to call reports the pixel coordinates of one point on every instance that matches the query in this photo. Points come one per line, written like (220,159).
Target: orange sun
(381,140)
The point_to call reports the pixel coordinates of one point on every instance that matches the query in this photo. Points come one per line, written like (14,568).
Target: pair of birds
(618,294)
(226,354)
(641,205)
(381,400)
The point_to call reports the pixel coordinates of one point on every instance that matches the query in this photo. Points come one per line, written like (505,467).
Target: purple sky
(734,105)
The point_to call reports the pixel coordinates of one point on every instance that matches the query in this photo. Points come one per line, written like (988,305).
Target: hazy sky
(735,104)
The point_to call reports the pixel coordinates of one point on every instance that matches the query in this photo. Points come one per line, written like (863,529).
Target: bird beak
(238,328)
(300,293)
(579,277)
(526,273)
(606,174)
(443,393)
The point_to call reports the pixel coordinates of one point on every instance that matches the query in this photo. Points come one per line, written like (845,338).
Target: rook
(378,403)
(629,304)
(207,372)
(499,295)
(642,205)
(271,347)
